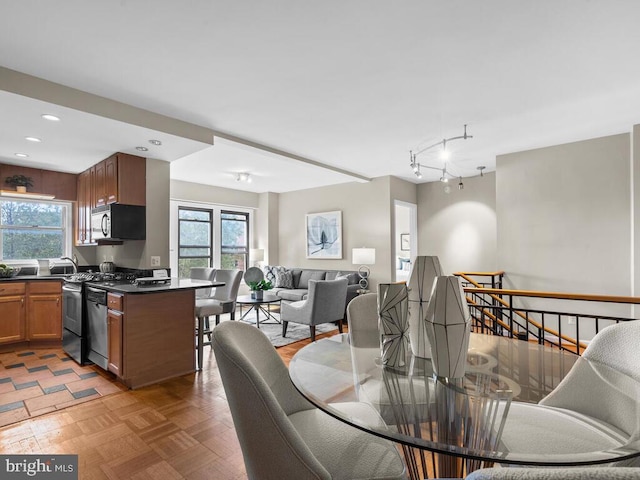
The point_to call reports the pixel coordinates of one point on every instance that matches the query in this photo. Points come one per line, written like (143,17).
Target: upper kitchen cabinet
(84,205)
(121,178)
(60,184)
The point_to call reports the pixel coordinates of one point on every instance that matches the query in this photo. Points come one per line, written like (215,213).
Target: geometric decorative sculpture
(393,323)
(448,321)
(424,271)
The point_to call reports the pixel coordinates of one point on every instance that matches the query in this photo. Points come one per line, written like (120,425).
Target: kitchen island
(151,329)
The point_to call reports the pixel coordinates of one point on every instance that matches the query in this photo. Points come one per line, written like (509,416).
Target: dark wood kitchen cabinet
(99,184)
(121,178)
(83,208)
(124,180)
(44,311)
(114,333)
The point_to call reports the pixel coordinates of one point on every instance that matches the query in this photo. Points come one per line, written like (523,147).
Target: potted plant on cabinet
(258,288)
(20,182)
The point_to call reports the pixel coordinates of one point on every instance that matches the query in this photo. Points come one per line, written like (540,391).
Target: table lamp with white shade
(363,257)
(256,255)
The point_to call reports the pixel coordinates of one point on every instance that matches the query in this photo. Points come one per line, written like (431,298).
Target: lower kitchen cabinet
(44,311)
(114,333)
(30,311)
(12,312)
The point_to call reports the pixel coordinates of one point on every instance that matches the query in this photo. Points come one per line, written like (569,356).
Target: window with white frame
(31,229)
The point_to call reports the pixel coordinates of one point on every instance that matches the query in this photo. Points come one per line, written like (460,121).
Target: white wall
(564,218)
(459,227)
(366,221)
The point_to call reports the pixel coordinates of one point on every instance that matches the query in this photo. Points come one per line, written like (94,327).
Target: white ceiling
(352,84)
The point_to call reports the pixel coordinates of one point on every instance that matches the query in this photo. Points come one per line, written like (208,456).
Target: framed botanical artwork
(324,235)
(405,242)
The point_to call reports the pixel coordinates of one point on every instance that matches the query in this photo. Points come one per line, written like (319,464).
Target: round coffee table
(258,306)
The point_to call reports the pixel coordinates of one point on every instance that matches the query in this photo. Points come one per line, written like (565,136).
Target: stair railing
(493,313)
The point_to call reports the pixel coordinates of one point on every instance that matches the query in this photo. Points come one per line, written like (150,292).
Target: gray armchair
(281,434)
(325,303)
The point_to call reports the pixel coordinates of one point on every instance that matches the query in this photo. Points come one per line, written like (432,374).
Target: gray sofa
(301,277)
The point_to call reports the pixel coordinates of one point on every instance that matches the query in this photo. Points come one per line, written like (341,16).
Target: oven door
(72,308)
(74,342)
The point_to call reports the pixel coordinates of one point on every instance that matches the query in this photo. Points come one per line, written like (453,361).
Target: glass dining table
(450,427)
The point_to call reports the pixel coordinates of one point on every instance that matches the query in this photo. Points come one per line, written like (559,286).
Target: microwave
(118,222)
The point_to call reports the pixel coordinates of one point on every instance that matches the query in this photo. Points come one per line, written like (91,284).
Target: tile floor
(34,382)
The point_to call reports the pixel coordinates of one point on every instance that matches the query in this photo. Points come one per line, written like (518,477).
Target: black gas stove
(80,339)
(103,278)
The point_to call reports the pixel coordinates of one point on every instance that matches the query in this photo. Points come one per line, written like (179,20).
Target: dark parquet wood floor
(178,429)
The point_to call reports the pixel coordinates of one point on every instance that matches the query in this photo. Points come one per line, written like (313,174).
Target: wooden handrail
(554,295)
(480,274)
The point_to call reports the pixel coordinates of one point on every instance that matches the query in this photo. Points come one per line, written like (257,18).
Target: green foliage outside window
(32,230)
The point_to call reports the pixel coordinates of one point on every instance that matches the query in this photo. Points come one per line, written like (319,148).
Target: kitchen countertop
(176,284)
(30,278)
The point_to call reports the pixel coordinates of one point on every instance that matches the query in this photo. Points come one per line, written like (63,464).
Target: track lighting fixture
(243,177)
(445,154)
(460,184)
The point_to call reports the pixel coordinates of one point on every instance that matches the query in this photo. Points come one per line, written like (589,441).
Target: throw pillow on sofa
(284,279)
(352,278)
(270,273)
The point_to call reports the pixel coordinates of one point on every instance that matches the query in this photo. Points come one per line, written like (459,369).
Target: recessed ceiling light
(33,139)
(155,142)
(51,118)
(21,155)
(142,149)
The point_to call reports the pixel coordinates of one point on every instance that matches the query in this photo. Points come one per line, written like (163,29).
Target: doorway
(405,239)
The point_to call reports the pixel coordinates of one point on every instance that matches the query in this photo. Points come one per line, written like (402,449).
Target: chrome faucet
(74,262)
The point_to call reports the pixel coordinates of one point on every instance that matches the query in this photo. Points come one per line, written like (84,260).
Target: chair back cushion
(308,275)
(202,273)
(229,291)
(327,299)
(260,395)
(362,317)
(605,383)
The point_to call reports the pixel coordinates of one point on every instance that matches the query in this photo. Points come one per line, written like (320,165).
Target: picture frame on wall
(405,242)
(324,235)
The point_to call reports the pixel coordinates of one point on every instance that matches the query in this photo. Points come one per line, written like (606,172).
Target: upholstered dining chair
(595,406)
(220,300)
(362,319)
(324,303)
(281,434)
